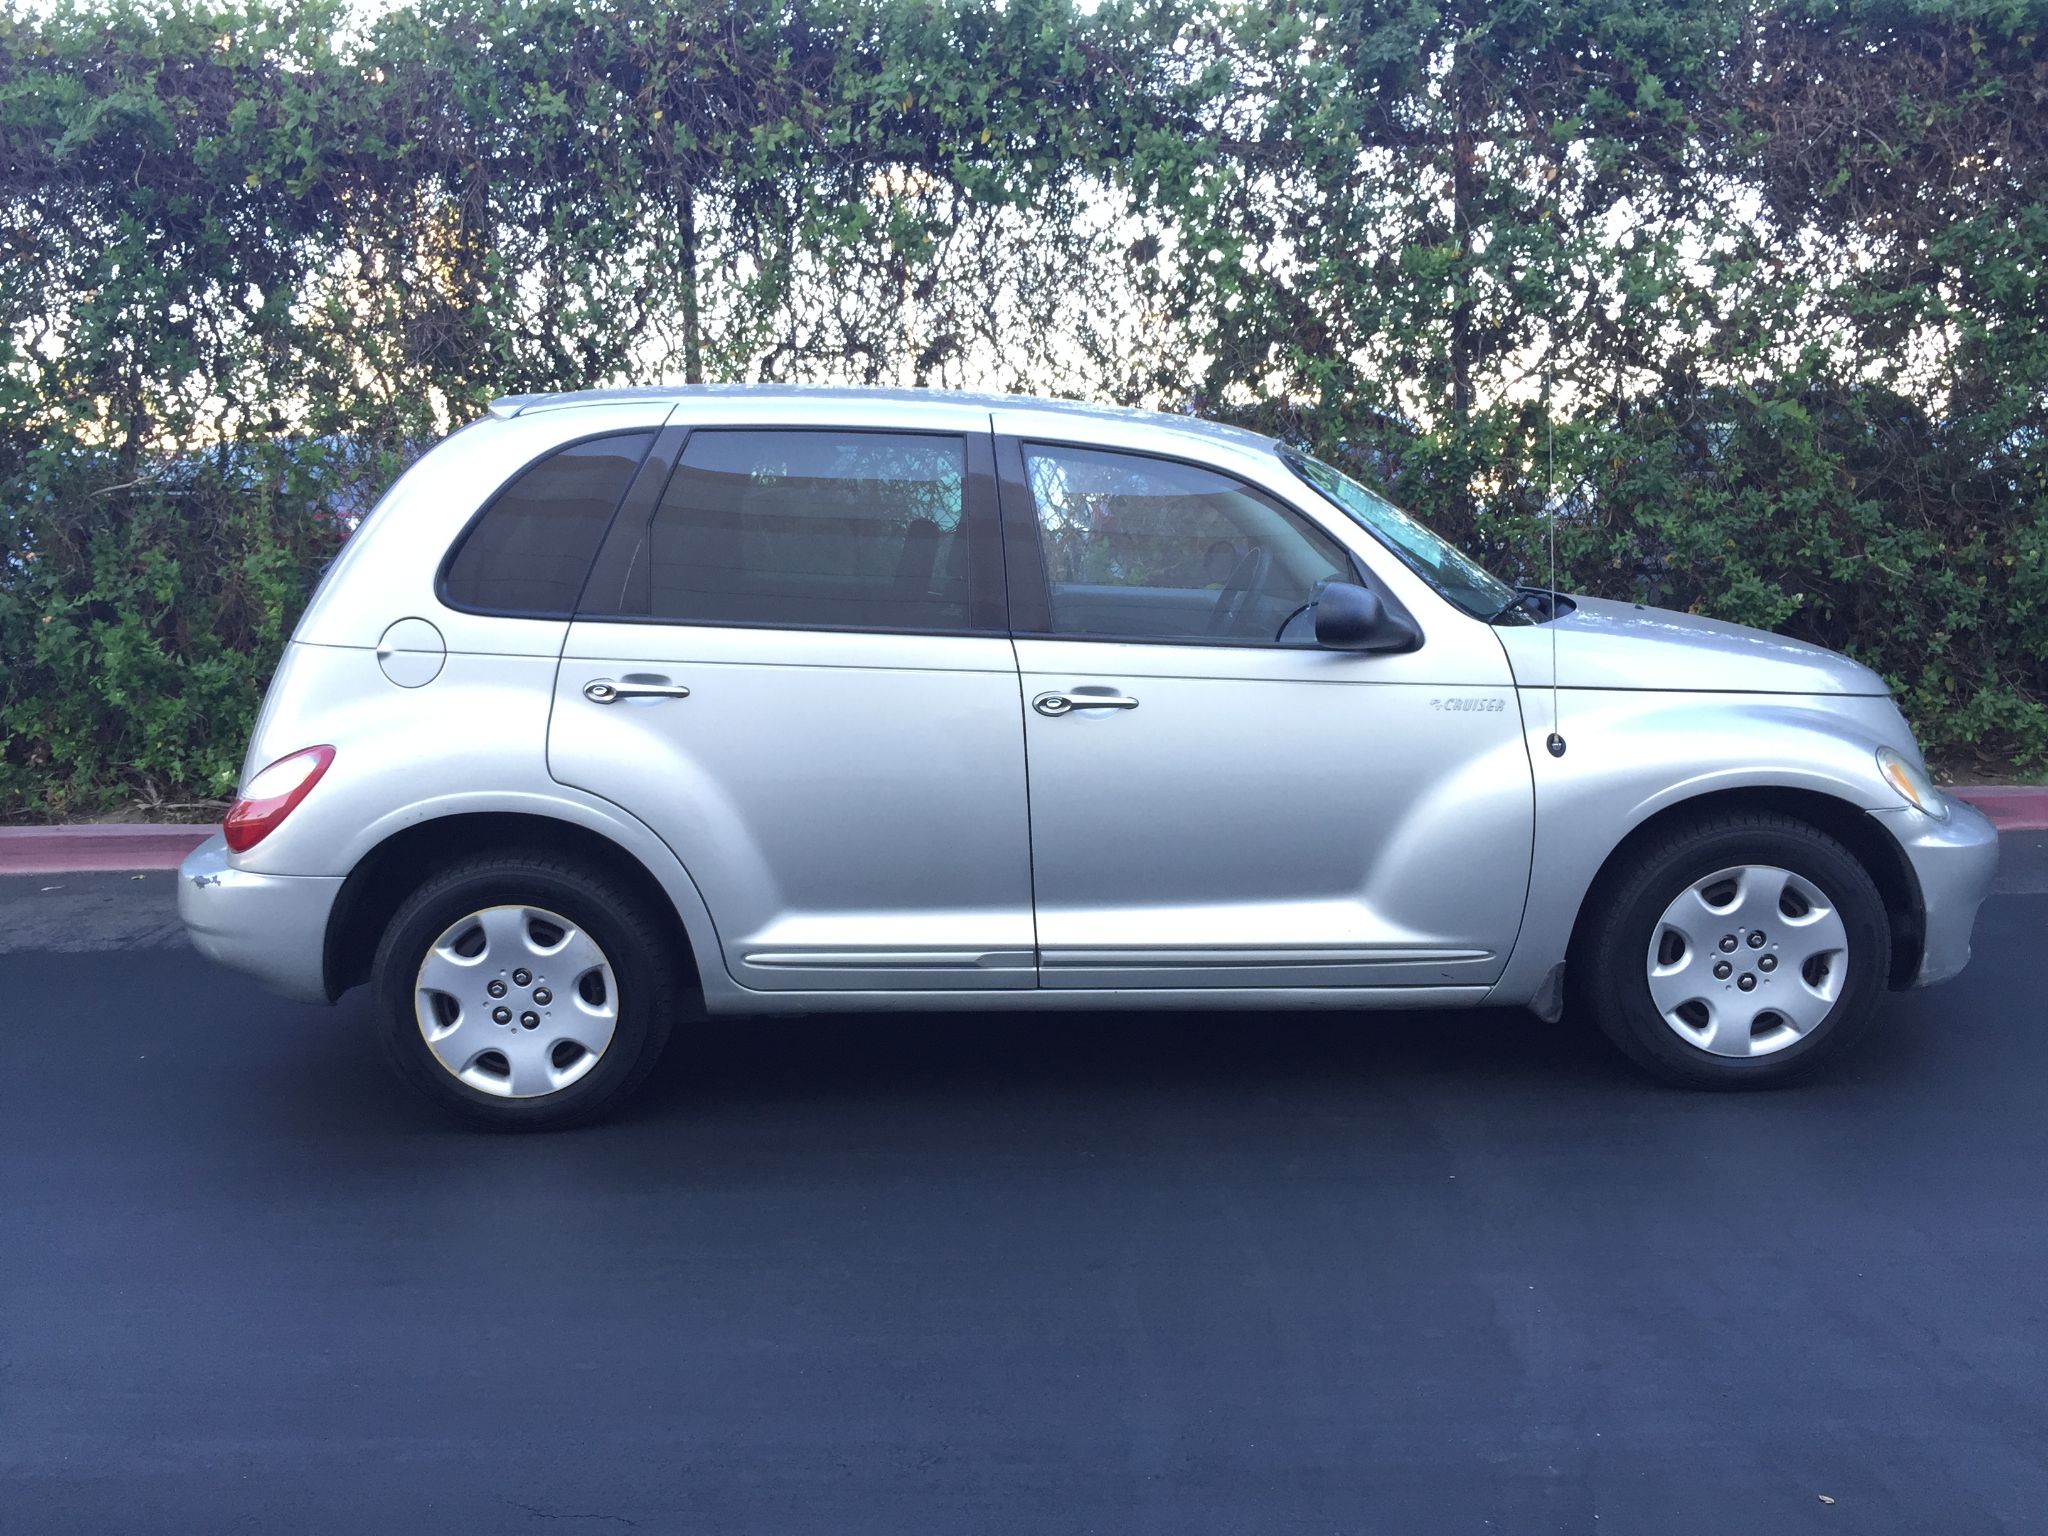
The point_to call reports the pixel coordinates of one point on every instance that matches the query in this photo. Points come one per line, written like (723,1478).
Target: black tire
(634,943)
(1608,970)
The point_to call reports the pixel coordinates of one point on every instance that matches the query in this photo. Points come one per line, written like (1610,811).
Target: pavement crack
(539,1513)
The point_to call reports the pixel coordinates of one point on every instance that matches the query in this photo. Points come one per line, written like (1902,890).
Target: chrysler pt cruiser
(630,705)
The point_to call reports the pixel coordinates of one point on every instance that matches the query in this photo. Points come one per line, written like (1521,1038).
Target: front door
(795,670)
(1214,800)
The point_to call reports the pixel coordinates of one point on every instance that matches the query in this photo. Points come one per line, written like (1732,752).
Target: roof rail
(506,407)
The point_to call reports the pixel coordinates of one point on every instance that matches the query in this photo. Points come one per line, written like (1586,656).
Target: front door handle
(1057,704)
(605,691)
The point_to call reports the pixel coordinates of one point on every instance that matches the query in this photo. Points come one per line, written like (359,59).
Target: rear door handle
(606,691)
(1057,704)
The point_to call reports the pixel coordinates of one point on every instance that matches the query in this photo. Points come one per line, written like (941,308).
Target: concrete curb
(75,849)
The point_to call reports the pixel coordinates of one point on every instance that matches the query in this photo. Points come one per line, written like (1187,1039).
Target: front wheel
(1734,952)
(523,993)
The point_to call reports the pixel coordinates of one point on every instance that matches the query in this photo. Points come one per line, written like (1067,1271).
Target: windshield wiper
(1540,603)
(1535,604)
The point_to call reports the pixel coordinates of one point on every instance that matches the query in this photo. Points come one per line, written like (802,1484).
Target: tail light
(272,795)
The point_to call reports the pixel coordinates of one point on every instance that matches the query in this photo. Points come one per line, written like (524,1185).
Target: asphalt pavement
(1374,1274)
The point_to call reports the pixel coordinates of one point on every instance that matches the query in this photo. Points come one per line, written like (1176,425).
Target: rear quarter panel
(471,741)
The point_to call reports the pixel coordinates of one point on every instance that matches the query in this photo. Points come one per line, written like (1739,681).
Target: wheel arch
(393,867)
(1850,825)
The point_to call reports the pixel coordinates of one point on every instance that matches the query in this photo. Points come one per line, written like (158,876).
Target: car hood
(1603,644)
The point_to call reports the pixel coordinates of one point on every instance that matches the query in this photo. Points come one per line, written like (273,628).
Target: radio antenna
(1556,741)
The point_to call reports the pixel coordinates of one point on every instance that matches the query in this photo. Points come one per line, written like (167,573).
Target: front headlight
(1913,785)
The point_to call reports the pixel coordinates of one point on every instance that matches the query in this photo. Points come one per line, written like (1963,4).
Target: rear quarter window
(529,551)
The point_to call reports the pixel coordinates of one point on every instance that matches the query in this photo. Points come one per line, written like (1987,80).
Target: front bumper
(1953,861)
(274,927)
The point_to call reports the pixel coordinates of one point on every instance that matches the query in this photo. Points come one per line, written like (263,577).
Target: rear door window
(814,529)
(530,551)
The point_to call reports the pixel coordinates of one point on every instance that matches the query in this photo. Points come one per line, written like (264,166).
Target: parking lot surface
(1137,1273)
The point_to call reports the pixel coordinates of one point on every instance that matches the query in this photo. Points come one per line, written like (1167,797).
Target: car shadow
(990,1057)
(905,1066)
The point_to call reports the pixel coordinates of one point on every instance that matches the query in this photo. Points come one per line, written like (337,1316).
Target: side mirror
(1352,618)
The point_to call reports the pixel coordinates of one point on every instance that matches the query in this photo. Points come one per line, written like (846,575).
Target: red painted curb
(66,850)
(77,850)
(2011,807)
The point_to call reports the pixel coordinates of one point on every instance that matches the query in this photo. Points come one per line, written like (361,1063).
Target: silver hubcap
(1748,961)
(516,1001)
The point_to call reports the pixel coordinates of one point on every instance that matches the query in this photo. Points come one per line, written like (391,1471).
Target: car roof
(903,404)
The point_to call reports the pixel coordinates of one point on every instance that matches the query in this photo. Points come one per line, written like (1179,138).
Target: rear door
(794,665)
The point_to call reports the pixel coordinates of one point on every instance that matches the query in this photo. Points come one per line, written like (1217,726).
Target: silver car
(628,704)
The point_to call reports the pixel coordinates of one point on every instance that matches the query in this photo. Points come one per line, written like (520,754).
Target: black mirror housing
(1354,618)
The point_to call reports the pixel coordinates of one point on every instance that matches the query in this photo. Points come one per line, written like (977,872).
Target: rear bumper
(1953,861)
(274,927)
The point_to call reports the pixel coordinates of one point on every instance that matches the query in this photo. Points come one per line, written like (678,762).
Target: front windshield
(1450,571)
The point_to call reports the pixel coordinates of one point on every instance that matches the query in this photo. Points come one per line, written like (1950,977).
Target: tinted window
(532,548)
(1149,549)
(852,530)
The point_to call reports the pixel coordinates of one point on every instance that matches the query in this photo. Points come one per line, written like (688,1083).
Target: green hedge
(1757,286)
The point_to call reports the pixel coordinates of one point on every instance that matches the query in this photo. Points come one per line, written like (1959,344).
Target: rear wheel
(1734,952)
(524,993)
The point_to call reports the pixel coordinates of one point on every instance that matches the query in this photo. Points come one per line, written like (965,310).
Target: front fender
(1631,754)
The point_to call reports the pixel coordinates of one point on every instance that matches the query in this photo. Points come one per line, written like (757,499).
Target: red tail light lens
(272,795)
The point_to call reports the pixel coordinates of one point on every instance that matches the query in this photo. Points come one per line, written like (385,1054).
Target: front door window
(1140,548)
